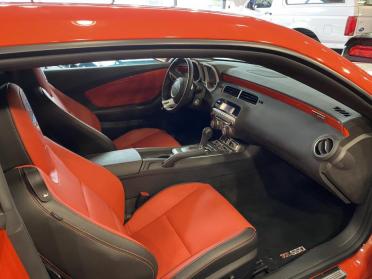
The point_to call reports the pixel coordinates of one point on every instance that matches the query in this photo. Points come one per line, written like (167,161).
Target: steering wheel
(178,86)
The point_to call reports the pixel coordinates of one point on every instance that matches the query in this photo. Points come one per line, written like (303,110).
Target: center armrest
(119,162)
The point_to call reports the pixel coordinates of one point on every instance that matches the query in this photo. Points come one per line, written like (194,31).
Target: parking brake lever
(206,136)
(170,162)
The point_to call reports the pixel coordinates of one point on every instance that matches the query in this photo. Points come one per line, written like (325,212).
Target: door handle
(268,13)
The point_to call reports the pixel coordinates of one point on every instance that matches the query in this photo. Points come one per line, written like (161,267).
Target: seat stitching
(85,234)
(178,235)
(157,218)
(117,221)
(113,214)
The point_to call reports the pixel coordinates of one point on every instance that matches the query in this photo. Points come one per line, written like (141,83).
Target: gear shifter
(206,136)
(191,152)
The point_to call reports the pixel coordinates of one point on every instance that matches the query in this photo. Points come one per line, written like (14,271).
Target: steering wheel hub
(177,86)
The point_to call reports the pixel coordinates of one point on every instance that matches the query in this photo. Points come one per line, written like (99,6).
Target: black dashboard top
(285,85)
(325,139)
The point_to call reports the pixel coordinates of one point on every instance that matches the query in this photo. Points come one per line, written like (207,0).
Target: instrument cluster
(206,74)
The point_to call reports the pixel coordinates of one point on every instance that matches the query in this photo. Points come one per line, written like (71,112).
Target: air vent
(231,91)
(248,97)
(342,111)
(324,147)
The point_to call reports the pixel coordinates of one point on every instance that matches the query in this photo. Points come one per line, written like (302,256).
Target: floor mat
(291,212)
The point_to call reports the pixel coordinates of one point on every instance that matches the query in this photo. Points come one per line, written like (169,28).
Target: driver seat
(74,126)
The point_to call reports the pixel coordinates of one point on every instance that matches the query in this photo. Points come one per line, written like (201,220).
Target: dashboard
(323,138)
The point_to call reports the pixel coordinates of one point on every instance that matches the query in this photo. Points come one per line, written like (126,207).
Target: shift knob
(206,136)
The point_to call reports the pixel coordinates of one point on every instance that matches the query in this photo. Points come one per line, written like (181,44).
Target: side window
(263,3)
(302,2)
(109,63)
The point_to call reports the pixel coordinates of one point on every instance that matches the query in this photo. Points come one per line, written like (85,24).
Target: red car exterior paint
(34,24)
(359,266)
(31,24)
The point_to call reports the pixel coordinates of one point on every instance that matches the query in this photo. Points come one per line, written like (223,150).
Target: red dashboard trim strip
(331,121)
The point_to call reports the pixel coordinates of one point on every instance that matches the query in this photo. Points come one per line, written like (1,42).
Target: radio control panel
(224,114)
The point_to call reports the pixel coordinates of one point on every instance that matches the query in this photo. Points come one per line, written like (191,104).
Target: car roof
(40,23)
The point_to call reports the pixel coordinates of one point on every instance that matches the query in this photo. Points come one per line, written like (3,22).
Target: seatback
(73,209)
(66,103)
(61,118)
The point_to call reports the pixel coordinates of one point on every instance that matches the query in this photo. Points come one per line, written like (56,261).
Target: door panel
(133,90)
(75,82)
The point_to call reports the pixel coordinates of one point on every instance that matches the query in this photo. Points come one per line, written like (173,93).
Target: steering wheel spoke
(174,75)
(178,88)
(168,104)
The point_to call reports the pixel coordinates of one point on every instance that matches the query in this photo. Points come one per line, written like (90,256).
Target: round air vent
(324,147)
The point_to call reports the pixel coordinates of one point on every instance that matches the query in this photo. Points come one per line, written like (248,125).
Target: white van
(331,22)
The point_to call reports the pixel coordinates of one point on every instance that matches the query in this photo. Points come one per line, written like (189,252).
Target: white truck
(331,22)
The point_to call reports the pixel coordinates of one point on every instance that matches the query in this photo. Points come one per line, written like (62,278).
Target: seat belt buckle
(141,199)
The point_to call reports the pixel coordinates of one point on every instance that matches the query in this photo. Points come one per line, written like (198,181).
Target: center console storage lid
(119,162)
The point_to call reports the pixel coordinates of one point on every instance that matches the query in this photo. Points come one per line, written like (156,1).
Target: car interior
(180,167)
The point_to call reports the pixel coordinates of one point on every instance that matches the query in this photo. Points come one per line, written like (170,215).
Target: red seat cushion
(182,222)
(11,265)
(145,137)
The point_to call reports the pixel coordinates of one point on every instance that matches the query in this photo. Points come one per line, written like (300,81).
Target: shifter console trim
(225,145)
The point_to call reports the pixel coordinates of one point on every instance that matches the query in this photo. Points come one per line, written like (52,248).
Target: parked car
(331,22)
(238,154)
(359,50)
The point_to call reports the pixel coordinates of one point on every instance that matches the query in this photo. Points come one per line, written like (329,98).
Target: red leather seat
(12,266)
(74,211)
(71,114)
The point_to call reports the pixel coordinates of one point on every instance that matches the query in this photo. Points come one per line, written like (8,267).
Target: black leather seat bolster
(72,243)
(70,132)
(13,153)
(237,254)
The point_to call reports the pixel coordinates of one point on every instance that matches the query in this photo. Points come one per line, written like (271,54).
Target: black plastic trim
(18,233)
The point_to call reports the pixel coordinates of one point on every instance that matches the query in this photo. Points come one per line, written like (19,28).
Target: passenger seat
(74,211)
(75,126)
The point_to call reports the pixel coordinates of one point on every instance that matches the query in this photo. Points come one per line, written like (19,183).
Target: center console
(141,161)
(152,169)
